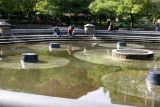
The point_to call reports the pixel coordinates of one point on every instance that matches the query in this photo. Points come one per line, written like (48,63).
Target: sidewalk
(81,31)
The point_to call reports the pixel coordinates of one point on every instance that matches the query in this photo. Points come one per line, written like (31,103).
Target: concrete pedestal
(54,45)
(30,57)
(5,29)
(89,29)
(153,77)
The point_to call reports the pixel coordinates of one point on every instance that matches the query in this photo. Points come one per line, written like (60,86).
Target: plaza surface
(41,35)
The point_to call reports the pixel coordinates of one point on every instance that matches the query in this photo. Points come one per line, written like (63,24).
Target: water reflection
(98,95)
(85,51)
(46,47)
(2,56)
(116,45)
(59,82)
(93,44)
(15,62)
(130,86)
(101,96)
(102,56)
(153,88)
(70,49)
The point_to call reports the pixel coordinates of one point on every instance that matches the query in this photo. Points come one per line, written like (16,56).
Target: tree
(42,6)
(130,8)
(68,10)
(8,6)
(11,6)
(124,8)
(68,6)
(103,7)
(151,9)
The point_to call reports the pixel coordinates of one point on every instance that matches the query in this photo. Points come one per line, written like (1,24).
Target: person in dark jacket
(57,32)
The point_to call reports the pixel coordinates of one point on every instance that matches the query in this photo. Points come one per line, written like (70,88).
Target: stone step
(83,38)
(107,37)
(100,37)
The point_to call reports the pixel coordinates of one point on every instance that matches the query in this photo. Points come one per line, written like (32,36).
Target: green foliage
(118,7)
(151,9)
(68,6)
(98,72)
(42,6)
(122,8)
(11,6)
(7,5)
(107,7)
(130,9)
(100,9)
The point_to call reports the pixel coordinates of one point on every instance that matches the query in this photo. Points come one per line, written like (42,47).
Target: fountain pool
(77,69)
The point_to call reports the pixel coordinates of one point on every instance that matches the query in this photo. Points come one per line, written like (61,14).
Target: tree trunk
(132,20)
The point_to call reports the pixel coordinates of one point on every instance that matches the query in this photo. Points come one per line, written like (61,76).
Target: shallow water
(76,69)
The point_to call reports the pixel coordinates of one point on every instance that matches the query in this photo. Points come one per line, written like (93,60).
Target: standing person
(57,32)
(108,23)
(70,31)
(156,26)
(110,27)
